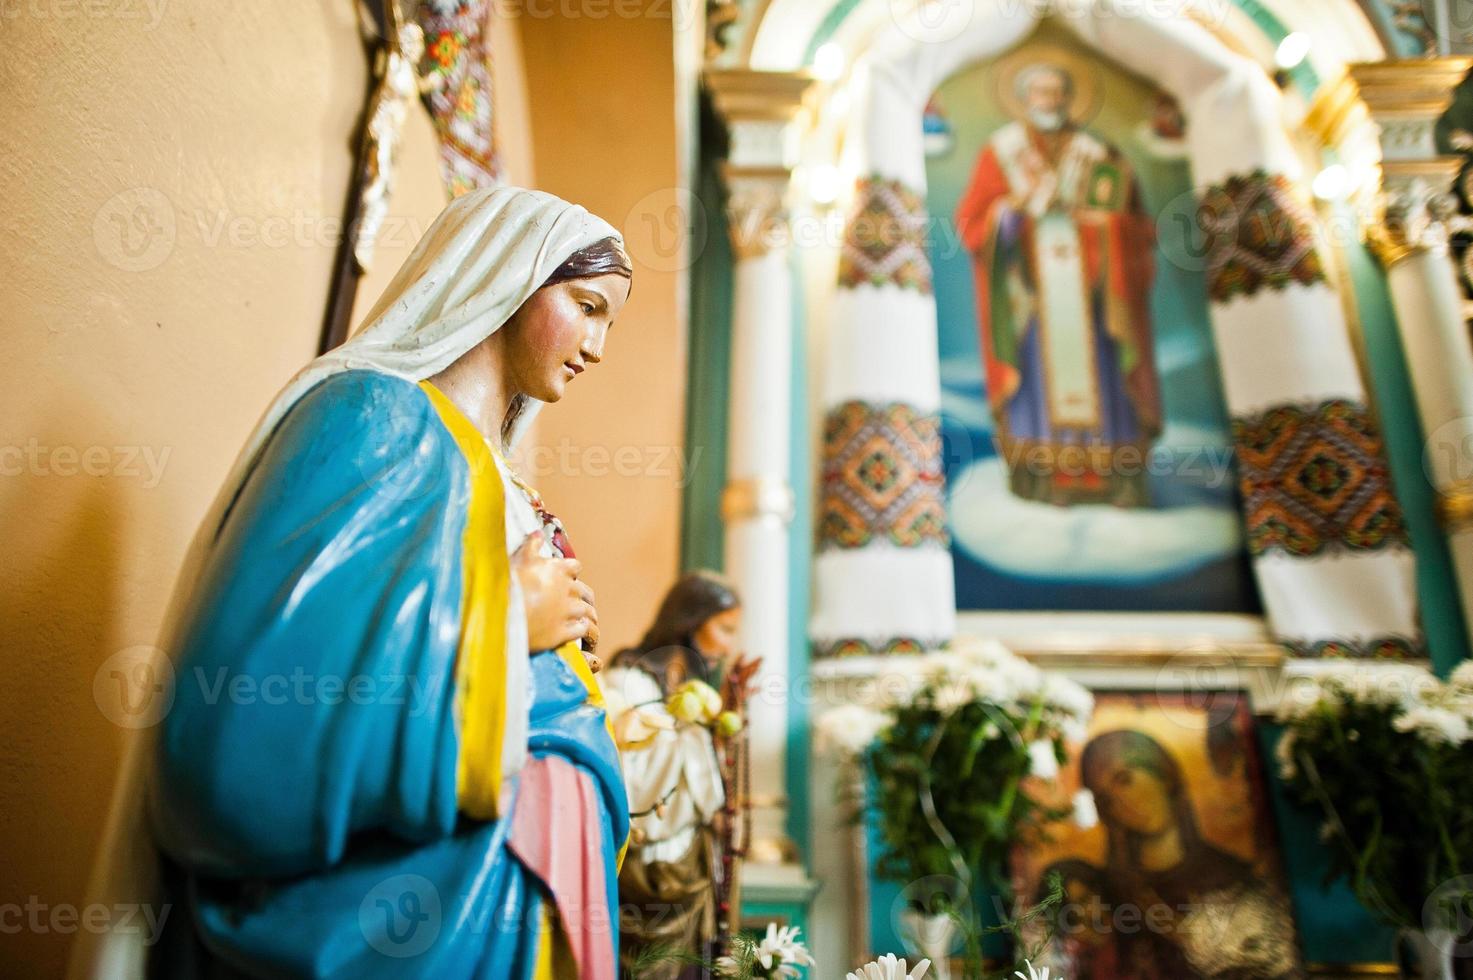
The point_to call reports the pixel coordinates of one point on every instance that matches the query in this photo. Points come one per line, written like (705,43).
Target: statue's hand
(558,607)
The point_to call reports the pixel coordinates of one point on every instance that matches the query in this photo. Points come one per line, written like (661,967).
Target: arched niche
(1333,566)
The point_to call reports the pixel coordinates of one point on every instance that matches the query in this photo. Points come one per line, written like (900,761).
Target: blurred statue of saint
(1062,252)
(677,886)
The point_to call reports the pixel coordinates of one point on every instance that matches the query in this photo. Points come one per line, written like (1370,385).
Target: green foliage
(971,763)
(1398,806)
(950,800)
(659,953)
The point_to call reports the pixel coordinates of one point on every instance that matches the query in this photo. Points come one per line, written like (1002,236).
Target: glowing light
(1332,183)
(823,184)
(1292,50)
(828,62)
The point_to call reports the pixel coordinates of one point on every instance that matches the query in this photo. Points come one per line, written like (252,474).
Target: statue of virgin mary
(416,776)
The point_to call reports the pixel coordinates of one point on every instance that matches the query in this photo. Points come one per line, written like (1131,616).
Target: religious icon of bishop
(1062,253)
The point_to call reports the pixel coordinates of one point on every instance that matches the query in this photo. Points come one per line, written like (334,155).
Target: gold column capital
(1394,94)
(1381,118)
(762,111)
(1413,213)
(756,208)
(1454,506)
(744,94)
(1413,85)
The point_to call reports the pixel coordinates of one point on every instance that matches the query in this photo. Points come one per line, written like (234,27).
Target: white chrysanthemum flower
(1460,683)
(943,663)
(1086,814)
(1041,759)
(949,695)
(1462,703)
(981,681)
(1304,698)
(1067,696)
(1284,756)
(1434,725)
(980,650)
(1395,686)
(1034,973)
(849,728)
(1074,729)
(781,952)
(899,682)
(887,967)
(726,966)
(1018,680)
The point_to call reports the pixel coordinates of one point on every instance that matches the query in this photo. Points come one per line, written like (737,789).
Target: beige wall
(144,163)
(602,92)
(168,187)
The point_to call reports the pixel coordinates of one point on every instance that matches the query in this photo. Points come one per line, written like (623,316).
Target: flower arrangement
(777,954)
(948,743)
(1385,757)
(887,967)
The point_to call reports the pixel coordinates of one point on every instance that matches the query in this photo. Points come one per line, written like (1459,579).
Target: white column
(1434,334)
(757,504)
(761,110)
(1389,110)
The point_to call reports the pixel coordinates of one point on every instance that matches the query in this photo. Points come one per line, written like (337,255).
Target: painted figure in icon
(677,887)
(1191,909)
(441,796)
(1062,255)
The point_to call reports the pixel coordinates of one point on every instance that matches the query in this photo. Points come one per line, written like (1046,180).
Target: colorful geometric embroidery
(1258,233)
(855,647)
(1379,648)
(885,239)
(1315,478)
(457,71)
(881,477)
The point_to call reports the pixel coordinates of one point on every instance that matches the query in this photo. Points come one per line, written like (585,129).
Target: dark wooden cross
(346,271)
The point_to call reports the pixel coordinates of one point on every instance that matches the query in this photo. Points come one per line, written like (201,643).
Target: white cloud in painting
(962,372)
(961,393)
(1094,543)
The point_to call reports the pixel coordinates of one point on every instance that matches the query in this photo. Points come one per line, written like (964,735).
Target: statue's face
(716,638)
(1046,96)
(560,331)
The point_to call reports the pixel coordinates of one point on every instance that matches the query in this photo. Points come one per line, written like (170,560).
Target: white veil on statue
(483,257)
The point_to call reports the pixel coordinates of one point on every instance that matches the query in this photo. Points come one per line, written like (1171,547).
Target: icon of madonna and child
(453,805)
(1179,879)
